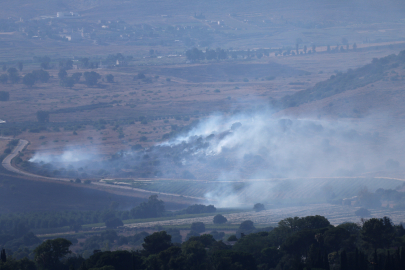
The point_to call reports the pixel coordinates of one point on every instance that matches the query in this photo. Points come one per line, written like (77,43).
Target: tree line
(295,243)
(152,208)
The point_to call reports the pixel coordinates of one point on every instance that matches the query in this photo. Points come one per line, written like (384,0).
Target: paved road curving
(23,143)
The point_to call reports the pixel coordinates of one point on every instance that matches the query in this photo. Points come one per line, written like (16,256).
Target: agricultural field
(272,191)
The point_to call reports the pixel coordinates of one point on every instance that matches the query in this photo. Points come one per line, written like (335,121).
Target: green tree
(118,260)
(379,232)
(114,223)
(152,208)
(29,79)
(219,219)
(13,75)
(231,260)
(157,242)
(362,212)
(76,76)
(44,65)
(198,227)
(333,238)
(43,116)
(3,78)
(49,253)
(110,78)
(245,227)
(41,75)
(62,73)
(258,207)
(196,255)
(67,82)
(4,96)
(91,78)
(195,54)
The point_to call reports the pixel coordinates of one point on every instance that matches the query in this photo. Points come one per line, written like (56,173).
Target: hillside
(377,86)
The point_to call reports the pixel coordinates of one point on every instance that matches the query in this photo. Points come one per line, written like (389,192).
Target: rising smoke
(238,147)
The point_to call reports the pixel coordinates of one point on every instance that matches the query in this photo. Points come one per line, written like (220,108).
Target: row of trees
(296,243)
(90,78)
(151,208)
(29,79)
(196,54)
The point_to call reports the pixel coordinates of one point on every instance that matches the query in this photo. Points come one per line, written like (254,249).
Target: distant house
(72,36)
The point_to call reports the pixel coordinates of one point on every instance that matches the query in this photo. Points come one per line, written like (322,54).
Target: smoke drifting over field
(230,148)
(69,156)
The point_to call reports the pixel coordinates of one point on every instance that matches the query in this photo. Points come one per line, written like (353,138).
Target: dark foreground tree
(379,232)
(157,242)
(49,253)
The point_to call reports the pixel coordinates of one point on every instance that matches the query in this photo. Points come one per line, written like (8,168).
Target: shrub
(43,116)
(136,147)
(140,76)
(143,139)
